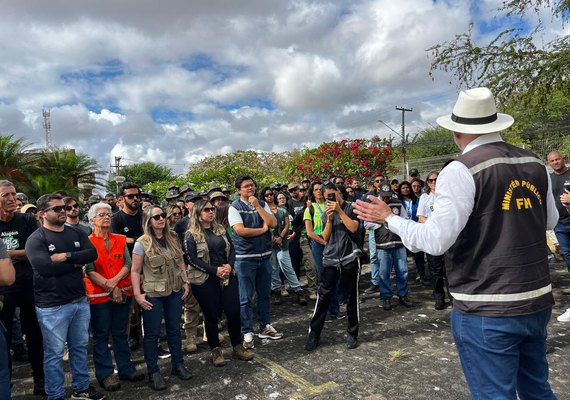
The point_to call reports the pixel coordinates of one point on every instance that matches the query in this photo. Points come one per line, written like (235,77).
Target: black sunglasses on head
(158,217)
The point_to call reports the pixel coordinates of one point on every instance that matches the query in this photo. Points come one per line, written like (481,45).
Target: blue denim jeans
(393,257)
(171,308)
(111,319)
(66,323)
(374,260)
(563,235)
(4,366)
(503,356)
(281,261)
(254,276)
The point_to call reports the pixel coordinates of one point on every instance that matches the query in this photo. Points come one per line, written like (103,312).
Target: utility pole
(404,110)
(47,127)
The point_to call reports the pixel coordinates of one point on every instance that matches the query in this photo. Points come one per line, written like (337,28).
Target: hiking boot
(387,304)
(156,381)
(301,298)
(405,301)
(312,296)
(372,289)
(440,305)
(111,383)
(190,343)
(276,297)
(182,372)
(218,357)
(239,353)
(351,341)
(269,332)
(162,354)
(248,341)
(312,342)
(88,394)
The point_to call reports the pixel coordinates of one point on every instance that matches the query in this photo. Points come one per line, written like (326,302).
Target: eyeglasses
(176,214)
(71,207)
(432,180)
(56,209)
(268,194)
(132,196)
(159,217)
(209,209)
(105,215)
(251,185)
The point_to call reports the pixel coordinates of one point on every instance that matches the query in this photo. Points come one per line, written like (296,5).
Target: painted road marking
(305,386)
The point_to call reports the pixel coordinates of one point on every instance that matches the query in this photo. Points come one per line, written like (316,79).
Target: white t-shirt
(234,217)
(425,206)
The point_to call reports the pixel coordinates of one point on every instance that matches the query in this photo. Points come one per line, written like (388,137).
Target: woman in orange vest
(109,290)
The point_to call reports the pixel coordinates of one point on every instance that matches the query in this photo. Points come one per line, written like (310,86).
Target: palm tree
(18,163)
(66,171)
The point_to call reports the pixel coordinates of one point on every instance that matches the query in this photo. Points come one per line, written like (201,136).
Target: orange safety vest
(108,264)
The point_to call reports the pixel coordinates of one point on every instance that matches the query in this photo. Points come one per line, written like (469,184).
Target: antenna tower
(47,127)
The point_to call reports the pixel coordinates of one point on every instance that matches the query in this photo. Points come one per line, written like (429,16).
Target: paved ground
(404,354)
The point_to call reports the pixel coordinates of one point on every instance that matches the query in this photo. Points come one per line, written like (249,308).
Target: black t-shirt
(15,234)
(128,225)
(340,248)
(557,190)
(180,228)
(216,249)
(59,283)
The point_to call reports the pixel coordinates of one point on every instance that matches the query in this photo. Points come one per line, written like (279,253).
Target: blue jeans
(393,257)
(503,356)
(281,261)
(374,260)
(4,366)
(563,235)
(111,319)
(171,308)
(66,323)
(254,275)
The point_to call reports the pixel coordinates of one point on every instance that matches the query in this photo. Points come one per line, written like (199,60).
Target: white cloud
(106,115)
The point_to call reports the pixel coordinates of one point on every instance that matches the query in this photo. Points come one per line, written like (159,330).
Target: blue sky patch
(258,103)
(162,115)
(203,61)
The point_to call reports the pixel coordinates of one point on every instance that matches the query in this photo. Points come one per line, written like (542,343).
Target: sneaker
(312,343)
(301,298)
(351,342)
(312,296)
(387,304)
(156,381)
(240,353)
(564,317)
(284,292)
(405,301)
(111,383)
(248,341)
(218,357)
(372,289)
(269,332)
(88,394)
(162,354)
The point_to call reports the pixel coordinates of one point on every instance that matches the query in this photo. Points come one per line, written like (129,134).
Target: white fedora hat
(475,113)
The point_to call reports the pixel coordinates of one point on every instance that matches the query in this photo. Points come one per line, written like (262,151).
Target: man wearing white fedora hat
(492,207)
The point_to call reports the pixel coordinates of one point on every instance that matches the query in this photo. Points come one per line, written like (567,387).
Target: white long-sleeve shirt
(454,201)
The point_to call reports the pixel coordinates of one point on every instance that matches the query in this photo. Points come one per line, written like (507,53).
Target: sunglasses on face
(432,180)
(56,209)
(176,214)
(71,207)
(268,194)
(209,209)
(158,217)
(377,180)
(292,190)
(132,196)
(104,215)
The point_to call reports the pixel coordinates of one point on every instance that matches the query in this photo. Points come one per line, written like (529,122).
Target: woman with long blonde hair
(160,284)
(211,258)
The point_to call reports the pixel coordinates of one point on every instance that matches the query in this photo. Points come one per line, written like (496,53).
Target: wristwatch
(67,256)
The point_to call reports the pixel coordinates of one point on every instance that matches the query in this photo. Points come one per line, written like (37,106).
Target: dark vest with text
(498,266)
(251,247)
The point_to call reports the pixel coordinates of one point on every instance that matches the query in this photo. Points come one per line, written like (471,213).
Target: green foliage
(142,174)
(350,158)
(431,142)
(512,65)
(18,163)
(265,167)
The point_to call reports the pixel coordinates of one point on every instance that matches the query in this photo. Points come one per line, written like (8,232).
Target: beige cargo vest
(196,276)
(161,275)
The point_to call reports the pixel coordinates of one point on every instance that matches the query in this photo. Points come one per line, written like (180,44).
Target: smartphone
(567,185)
(331,197)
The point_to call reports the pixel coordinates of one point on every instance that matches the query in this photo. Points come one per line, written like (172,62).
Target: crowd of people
(129,266)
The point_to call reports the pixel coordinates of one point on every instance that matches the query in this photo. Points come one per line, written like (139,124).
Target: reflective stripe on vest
(503,160)
(107,293)
(495,298)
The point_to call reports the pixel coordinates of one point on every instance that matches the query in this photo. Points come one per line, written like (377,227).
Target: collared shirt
(454,202)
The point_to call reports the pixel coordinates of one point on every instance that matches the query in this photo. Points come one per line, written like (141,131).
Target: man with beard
(15,230)
(560,177)
(57,254)
(72,215)
(128,222)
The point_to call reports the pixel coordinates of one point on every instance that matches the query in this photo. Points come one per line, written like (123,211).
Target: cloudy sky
(175,80)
